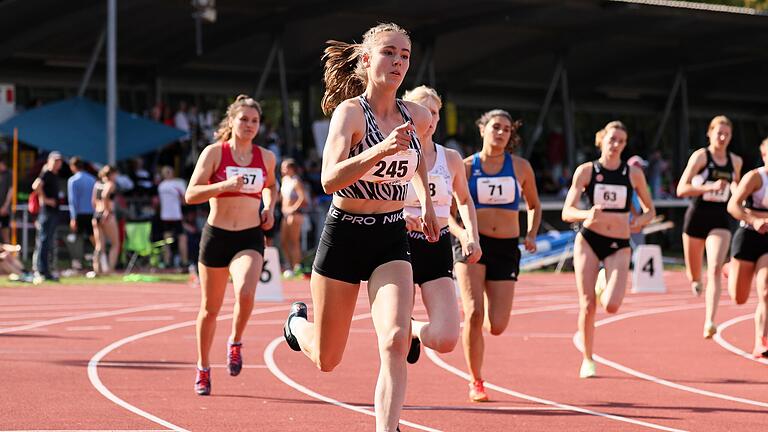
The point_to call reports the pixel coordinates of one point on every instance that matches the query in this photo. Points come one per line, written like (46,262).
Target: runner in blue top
(497,180)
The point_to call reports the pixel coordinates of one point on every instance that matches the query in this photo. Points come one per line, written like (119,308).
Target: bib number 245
(396,169)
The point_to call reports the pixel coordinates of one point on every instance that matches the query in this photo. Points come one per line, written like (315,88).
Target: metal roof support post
(92,63)
(426,63)
(667,109)
(267,67)
(568,127)
(284,100)
(685,126)
(111,81)
(539,128)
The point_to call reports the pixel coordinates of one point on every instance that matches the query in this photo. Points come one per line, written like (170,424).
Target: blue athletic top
(499,190)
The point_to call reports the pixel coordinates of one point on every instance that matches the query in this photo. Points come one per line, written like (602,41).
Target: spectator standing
(79,193)
(5,202)
(171,193)
(47,188)
(105,227)
(181,120)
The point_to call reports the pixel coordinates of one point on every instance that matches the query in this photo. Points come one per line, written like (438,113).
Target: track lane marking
(654,379)
(269,360)
(93,364)
(727,345)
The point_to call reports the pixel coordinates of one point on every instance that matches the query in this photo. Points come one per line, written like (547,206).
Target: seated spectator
(10,264)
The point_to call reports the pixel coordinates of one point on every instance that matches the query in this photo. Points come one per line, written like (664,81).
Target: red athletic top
(255,173)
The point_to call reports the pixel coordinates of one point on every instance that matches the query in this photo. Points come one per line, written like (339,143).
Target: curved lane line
(652,378)
(91,315)
(440,363)
(269,360)
(727,345)
(93,364)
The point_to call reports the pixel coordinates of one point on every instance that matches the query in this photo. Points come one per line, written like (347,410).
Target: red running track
(122,358)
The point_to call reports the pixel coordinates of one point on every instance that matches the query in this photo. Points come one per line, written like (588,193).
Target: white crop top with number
(440,188)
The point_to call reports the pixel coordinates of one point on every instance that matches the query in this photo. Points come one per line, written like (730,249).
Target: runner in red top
(231,175)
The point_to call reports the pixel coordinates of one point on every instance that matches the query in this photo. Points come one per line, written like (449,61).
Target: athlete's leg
(390,290)
(717,244)
(586,267)
(213,283)
(471,280)
(616,272)
(442,331)
(740,275)
(693,251)
(245,269)
(761,312)
(498,305)
(324,340)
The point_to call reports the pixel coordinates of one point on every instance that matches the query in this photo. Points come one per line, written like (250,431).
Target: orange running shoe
(477,391)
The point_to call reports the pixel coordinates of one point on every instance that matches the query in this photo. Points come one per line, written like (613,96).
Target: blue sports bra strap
(476,165)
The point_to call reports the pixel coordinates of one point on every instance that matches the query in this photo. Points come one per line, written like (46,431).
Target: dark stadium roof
(616,53)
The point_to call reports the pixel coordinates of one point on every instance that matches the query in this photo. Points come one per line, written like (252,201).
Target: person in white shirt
(171,193)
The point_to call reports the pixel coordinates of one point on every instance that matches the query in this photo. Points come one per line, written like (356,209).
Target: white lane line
(269,360)
(62,308)
(652,378)
(88,316)
(88,328)
(727,345)
(440,363)
(93,363)
(145,318)
(164,365)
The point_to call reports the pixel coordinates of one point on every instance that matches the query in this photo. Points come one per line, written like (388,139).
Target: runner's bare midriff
(498,223)
(235,213)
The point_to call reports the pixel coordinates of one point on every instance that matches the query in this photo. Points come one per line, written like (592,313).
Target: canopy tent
(77,127)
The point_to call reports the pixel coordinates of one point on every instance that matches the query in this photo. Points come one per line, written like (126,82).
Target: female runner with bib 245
(497,180)
(371,153)
(231,175)
(710,175)
(433,262)
(604,235)
(750,247)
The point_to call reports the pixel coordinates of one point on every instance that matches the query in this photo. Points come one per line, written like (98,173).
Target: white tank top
(759,198)
(288,188)
(440,188)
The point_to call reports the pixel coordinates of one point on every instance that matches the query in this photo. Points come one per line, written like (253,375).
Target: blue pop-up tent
(77,126)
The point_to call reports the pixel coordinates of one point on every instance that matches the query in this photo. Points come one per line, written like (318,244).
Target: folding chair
(138,239)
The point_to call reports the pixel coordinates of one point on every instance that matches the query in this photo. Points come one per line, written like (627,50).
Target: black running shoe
(234,358)
(415,351)
(298,309)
